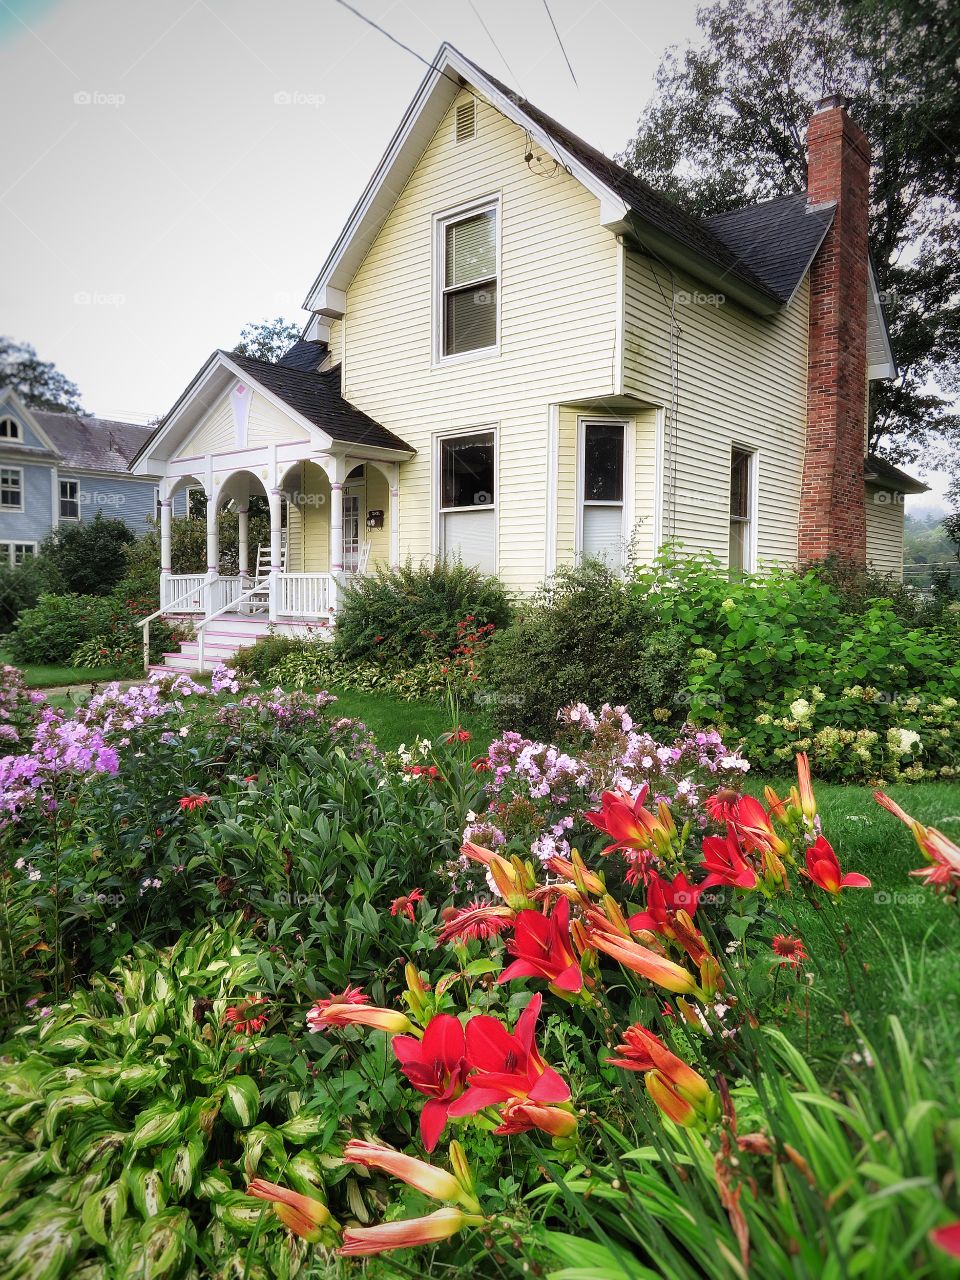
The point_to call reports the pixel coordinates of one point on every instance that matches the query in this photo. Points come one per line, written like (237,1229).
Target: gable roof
(93,444)
(880,472)
(316,397)
(777,238)
(304,354)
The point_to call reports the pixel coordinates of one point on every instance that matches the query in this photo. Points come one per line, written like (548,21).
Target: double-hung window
(602,533)
(11,488)
(467,484)
(741,557)
(69,500)
(468,269)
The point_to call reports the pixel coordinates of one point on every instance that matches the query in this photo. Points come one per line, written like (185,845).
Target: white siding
(885,531)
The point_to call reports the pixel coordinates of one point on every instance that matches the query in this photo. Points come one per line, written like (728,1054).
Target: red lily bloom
(352,995)
(626,821)
(542,948)
(790,950)
(507,1065)
(440,1225)
(189,803)
(478,920)
(824,869)
(664,899)
(724,861)
(752,824)
(435,1066)
(407,904)
(482,766)
(519,1116)
(943,856)
(948,1239)
(428,771)
(679,1091)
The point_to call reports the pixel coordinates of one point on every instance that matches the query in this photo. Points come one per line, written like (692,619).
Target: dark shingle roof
(881,472)
(304,355)
(777,239)
(650,205)
(92,444)
(317,397)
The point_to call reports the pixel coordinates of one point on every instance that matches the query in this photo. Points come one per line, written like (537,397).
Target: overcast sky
(173,171)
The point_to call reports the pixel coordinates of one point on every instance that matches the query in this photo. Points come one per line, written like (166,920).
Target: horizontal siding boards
(742,379)
(269,424)
(132,501)
(567,486)
(335,345)
(32,524)
(643,540)
(884,511)
(558,304)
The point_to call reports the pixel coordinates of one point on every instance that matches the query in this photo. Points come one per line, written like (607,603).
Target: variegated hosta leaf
(164,1246)
(157,1126)
(304,1172)
(241,1214)
(262,1138)
(135,1077)
(45,1249)
(215,1184)
(82,1188)
(147,1190)
(181,1165)
(65,1106)
(102,1212)
(241,1101)
(98,1146)
(303,1127)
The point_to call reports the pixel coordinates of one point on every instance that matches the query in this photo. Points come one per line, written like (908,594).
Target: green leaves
(241,1102)
(157,1126)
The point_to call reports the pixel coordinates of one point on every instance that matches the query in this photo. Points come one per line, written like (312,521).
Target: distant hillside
(926,546)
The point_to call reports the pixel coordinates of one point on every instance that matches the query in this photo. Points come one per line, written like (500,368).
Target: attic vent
(467,120)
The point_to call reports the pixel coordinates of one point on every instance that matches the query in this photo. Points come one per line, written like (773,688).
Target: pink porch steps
(222,639)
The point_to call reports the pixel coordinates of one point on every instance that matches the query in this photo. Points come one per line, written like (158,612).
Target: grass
(52,676)
(393,721)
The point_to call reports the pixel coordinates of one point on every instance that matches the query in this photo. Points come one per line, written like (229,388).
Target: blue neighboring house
(62,468)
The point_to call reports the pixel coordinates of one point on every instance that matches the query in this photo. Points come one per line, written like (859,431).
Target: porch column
(213,548)
(395,519)
(275,499)
(166,547)
(243,540)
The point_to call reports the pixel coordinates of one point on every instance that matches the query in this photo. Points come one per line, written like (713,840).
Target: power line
(399,43)
(560,43)
(503,58)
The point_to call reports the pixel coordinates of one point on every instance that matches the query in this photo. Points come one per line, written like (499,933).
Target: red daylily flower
(664,899)
(435,1066)
(679,1091)
(428,771)
(477,920)
(824,869)
(625,820)
(541,945)
(243,1018)
(460,735)
(482,766)
(790,950)
(507,1065)
(724,862)
(519,1116)
(189,803)
(350,996)
(752,824)
(948,1239)
(407,904)
(943,856)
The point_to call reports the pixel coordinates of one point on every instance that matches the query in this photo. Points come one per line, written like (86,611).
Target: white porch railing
(224,592)
(185,590)
(305,595)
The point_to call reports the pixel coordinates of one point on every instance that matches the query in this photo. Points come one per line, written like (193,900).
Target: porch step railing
(305,595)
(183,591)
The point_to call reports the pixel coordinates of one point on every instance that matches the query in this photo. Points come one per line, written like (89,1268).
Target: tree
(726,127)
(88,558)
(268,339)
(38,383)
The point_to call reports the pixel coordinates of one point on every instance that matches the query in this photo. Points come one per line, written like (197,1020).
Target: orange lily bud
(462,1172)
(808,803)
(359,1241)
(776,806)
(304,1215)
(416,1173)
(615,915)
(647,963)
(669,1100)
(416,995)
(345,1015)
(711,976)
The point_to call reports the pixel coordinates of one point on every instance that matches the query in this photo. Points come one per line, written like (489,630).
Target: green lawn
(393,721)
(49,676)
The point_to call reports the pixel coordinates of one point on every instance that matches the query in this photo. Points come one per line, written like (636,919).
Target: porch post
(275,498)
(395,519)
(243,540)
(213,547)
(336,536)
(166,548)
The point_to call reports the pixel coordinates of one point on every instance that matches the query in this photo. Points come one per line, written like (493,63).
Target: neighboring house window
(11,488)
(468,283)
(9,429)
(741,557)
(602,492)
(15,553)
(468,522)
(69,500)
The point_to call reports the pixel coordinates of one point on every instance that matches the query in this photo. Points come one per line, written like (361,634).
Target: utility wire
(399,43)
(560,43)
(503,57)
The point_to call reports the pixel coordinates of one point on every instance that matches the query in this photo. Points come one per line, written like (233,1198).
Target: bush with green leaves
(396,618)
(261,658)
(587,637)
(88,556)
(51,631)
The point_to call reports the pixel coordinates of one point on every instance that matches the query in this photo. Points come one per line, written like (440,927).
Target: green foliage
(88,556)
(267,339)
(38,383)
(51,631)
(261,658)
(20,588)
(587,638)
(398,617)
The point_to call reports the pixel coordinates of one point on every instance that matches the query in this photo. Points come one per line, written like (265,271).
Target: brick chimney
(832,511)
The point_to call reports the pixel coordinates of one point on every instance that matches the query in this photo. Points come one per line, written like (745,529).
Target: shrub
(88,557)
(586,638)
(398,617)
(259,659)
(56,625)
(20,588)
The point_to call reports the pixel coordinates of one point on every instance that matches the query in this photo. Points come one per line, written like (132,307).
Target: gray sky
(155,196)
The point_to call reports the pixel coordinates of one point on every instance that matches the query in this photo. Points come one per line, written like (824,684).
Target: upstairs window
(11,489)
(468,283)
(741,558)
(69,500)
(9,429)
(602,533)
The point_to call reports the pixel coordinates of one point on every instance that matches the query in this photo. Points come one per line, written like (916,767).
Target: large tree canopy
(726,127)
(268,339)
(38,383)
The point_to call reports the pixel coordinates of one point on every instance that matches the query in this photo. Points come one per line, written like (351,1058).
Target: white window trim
(9,555)
(453,433)
(752,521)
(22,507)
(18,429)
(60,498)
(440,223)
(629,479)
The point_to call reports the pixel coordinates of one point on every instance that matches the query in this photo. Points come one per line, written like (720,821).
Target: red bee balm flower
(406,905)
(478,920)
(824,869)
(507,1065)
(725,864)
(542,948)
(790,950)
(437,1067)
(189,803)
